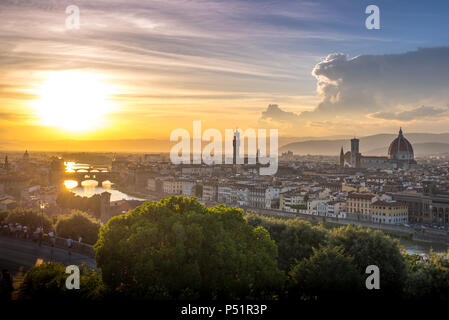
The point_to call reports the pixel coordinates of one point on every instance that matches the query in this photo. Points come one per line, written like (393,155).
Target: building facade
(389,212)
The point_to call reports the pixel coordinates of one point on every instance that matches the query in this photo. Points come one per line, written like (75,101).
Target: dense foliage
(69,200)
(427,280)
(47,282)
(179,249)
(295,238)
(372,247)
(32,219)
(78,224)
(328,274)
(3,215)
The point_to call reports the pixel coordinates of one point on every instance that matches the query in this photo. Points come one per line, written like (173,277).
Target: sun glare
(73,100)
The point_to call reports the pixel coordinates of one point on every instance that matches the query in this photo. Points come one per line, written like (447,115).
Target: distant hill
(124,145)
(420,149)
(423,143)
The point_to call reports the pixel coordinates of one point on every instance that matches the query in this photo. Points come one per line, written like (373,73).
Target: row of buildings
(389,190)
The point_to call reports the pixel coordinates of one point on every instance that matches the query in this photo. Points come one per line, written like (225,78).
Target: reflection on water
(89,188)
(412,246)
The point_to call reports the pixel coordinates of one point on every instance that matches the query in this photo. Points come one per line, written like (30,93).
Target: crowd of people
(23,232)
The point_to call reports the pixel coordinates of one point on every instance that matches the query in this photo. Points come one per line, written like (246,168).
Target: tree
(373,247)
(179,249)
(295,238)
(427,280)
(78,224)
(327,274)
(3,215)
(69,200)
(32,219)
(47,282)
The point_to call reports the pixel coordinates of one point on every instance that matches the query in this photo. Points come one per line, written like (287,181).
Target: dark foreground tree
(427,280)
(48,282)
(295,238)
(327,274)
(179,249)
(78,224)
(32,219)
(373,247)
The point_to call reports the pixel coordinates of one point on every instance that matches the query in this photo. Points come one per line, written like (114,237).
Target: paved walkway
(20,254)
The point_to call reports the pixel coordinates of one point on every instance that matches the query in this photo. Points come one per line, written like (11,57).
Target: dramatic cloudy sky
(305,67)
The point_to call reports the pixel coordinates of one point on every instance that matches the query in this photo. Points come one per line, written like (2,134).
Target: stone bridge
(98,174)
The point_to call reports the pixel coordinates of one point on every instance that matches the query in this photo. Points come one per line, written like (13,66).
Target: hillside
(424,144)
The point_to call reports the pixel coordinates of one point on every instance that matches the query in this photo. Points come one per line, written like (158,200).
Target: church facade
(400,156)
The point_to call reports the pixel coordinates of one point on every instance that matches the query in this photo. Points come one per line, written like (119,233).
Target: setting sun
(73,100)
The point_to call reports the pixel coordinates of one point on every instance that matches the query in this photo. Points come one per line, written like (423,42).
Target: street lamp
(42,206)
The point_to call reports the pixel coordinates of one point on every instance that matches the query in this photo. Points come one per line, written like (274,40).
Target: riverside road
(20,254)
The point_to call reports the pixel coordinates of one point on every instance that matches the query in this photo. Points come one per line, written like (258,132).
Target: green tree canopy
(78,224)
(373,247)
(179,249)
(69,200)
(47,282)
(295,238)
(328,273)
(30,218)
(3,215)
(428,280)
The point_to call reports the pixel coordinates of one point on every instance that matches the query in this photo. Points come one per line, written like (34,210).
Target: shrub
(30,218)
(47,282)
(78,224)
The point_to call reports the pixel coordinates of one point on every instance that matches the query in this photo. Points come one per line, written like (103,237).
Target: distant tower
(257,156)
(26,156)
(56,173)
(105,206)
(354,152)
(235,146)
(342,157)
(6,165)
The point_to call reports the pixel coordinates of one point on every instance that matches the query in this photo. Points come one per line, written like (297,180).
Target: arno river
(89,187)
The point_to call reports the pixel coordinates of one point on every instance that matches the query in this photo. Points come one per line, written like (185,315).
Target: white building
(188,188)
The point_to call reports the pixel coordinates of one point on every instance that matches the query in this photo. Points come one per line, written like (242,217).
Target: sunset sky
(139,69)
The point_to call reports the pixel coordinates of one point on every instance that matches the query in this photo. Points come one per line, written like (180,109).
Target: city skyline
(140,70)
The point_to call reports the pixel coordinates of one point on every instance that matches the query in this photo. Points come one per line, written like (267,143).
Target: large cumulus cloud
(404,87)
(373,83)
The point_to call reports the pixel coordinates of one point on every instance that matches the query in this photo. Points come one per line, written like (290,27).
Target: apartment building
(358,205)
(389,212)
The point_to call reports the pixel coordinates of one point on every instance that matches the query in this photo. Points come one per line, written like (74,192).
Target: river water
(89,188)
(412,246)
